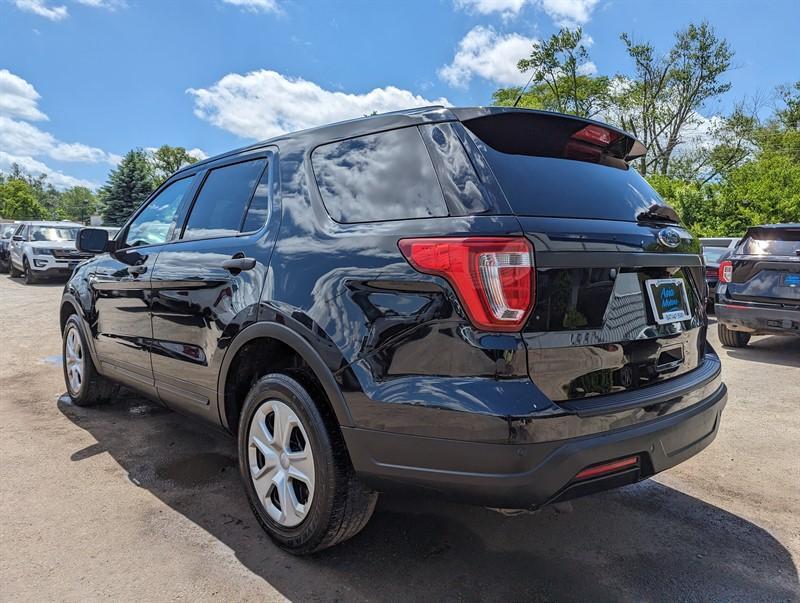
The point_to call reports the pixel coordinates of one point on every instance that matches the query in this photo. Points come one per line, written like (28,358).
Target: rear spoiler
(547,134)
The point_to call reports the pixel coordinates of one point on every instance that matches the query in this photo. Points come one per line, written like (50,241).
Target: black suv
(487,304)
(759,285)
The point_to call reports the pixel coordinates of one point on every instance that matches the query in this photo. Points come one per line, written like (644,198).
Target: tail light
(493,276)
(725,271)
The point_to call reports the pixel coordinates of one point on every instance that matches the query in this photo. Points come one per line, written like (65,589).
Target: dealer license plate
(668,299)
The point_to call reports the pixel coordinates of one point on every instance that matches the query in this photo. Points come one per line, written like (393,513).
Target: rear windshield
(781,242)
(569,188)
(713,254)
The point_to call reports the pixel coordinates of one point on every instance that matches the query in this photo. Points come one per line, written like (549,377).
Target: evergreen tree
(128,186)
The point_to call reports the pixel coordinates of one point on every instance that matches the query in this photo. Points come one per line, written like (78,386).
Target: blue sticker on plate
(791,280)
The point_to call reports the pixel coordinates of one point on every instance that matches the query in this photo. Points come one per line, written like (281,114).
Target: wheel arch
(69,306)
(303,349)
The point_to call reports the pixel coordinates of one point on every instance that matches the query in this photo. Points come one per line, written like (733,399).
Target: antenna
(524,88)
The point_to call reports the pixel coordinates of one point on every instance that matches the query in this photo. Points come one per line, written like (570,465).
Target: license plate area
(668,299)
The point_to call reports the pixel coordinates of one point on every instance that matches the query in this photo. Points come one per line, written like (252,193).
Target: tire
(12,271)
(332,503)
(30,277)
(4,266)
(732,339)
(91,388)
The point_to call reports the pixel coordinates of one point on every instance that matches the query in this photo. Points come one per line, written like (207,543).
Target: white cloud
(22,142)
(107,4)
(58,179)
(18,98)
(41,8)
(198,154)
(490,55)
(567,13)
(262,104)
(507,8)
(22,138)
(256,6)
(587,68)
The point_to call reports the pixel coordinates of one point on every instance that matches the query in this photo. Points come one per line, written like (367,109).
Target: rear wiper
(658,213)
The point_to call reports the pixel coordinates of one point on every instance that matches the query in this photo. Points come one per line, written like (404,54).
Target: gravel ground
(131,501)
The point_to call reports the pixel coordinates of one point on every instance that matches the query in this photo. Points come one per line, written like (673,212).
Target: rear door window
(221,207)
(384,176)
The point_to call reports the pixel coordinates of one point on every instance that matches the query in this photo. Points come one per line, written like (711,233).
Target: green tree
(766,190)
(166,160)
(559,81)
(46,194)
(128,185)
(78,204)
(662,100)
(18,201)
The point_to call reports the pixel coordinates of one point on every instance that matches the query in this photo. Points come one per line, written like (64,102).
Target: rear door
(766,266)
(207,283)
(121,326)
(620,291)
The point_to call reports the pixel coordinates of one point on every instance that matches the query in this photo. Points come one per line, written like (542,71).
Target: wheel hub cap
(281,463)
(74,361)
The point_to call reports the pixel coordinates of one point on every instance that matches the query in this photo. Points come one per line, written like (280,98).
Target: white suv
(44,249)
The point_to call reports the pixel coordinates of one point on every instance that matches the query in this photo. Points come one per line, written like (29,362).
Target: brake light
(596,135)
(725,271)
(493,276)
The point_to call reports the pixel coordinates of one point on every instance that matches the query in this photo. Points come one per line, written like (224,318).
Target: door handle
(137,270)
(236,265)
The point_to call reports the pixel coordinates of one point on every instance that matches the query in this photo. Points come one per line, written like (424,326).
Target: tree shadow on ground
(645,542)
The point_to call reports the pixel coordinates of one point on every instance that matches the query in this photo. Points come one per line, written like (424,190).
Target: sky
(84,81)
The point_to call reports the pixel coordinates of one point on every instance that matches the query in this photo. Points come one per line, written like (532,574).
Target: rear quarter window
(384,176)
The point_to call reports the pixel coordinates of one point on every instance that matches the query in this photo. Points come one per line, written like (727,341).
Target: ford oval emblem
(669,237)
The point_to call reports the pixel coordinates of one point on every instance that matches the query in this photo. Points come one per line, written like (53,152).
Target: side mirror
(92,240)
(16,238)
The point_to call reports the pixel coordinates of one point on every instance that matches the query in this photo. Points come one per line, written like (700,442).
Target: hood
(53,244)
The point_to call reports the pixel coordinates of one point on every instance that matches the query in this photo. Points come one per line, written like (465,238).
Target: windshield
(54,233)
(6,231)
(713,254)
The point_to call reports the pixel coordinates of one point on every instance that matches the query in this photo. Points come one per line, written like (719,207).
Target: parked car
(40,250)
(712,257)
(759,286)
(487,304)
(6,232)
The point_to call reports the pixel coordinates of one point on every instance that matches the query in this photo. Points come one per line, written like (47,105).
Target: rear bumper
(758,319)
(519,476)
